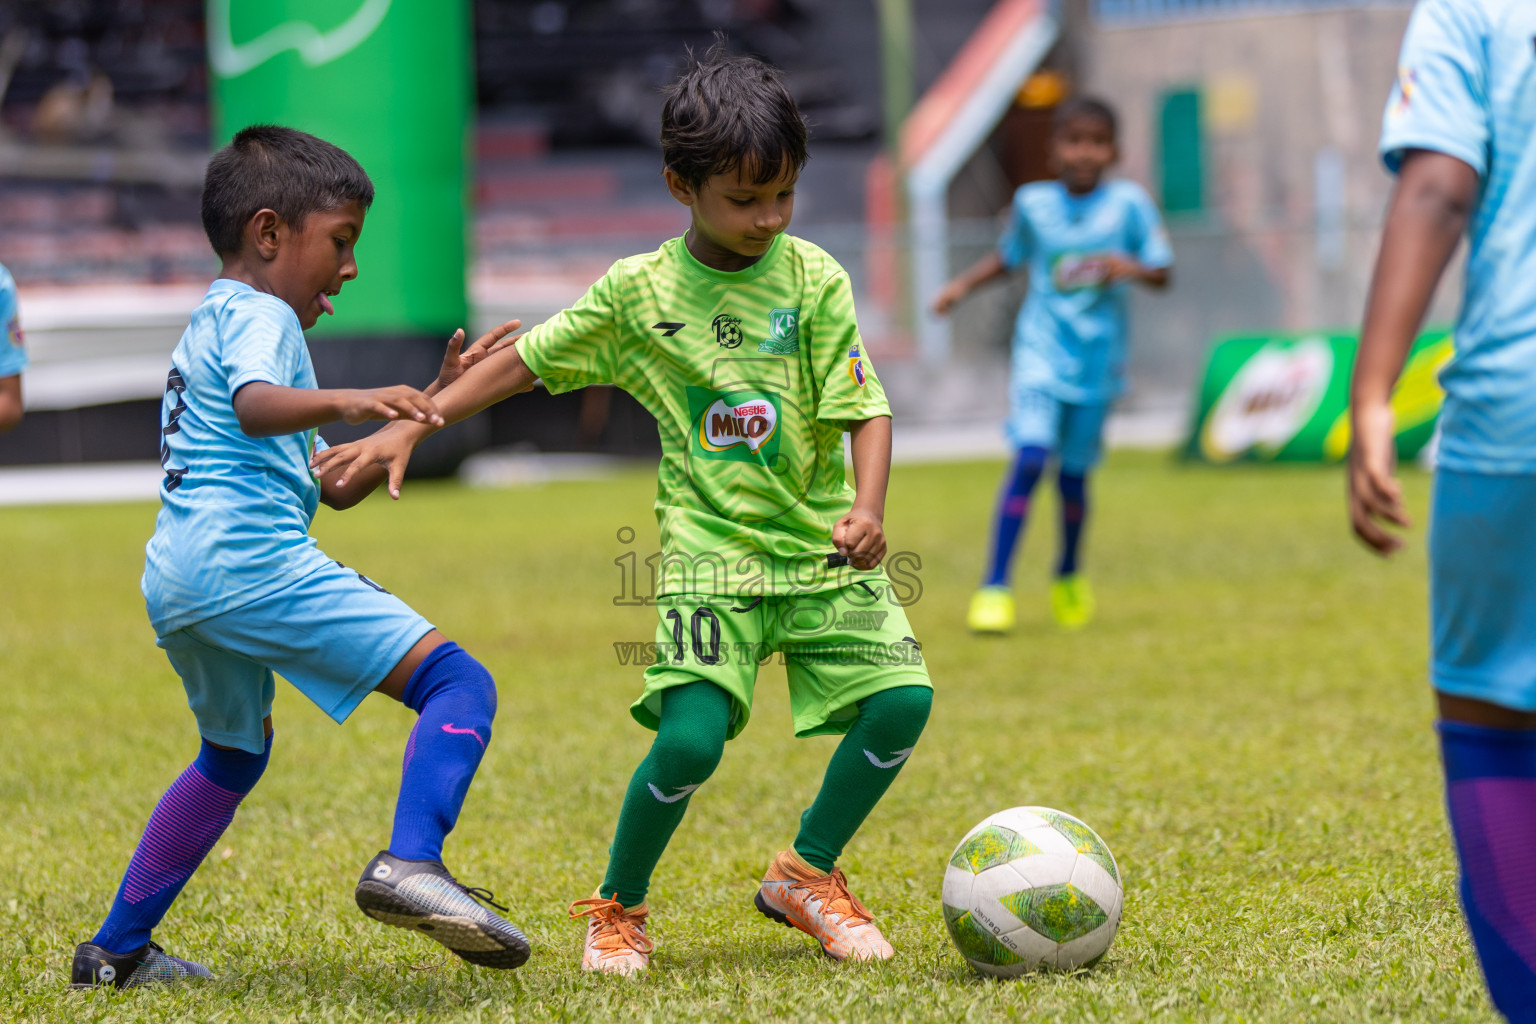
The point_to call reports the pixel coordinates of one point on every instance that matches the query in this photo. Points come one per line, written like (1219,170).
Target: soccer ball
(1031,888)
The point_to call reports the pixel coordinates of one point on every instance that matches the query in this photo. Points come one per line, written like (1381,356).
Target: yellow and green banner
(389,81)
(1285,397)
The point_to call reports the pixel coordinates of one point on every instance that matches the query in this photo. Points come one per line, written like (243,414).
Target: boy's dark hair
(726,113)
(269,167)
(1075,107)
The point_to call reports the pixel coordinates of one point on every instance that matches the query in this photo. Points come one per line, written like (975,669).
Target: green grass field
(1247,725)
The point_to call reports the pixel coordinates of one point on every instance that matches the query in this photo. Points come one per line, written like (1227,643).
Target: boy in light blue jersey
(237,590)
(1457,132)
(1083,240)
(13,353)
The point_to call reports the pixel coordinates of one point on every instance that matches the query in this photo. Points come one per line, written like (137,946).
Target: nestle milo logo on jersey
(741,426)
(1076,271)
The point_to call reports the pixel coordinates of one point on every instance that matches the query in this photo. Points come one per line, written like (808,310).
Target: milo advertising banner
(1285,398)
(390,82)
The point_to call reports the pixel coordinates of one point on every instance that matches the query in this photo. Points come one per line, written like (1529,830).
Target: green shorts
(838,647)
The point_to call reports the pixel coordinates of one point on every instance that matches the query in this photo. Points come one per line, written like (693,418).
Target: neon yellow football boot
(1072,601)
(991,610)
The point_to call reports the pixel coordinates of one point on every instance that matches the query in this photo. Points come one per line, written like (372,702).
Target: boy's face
(1081,149)
(733,213)
(311,264)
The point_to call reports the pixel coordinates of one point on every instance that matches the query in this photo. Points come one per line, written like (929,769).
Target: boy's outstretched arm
(988,268)
(268,410)
(861,533)
(10,402)
(500,374)
(1430,207)
(1127,268)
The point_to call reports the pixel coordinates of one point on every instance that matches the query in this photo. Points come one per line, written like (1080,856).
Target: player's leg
(337,637)
(1032,428)
(697,696)
(1013,511)
(863,676)
(689,741)
(1081,447)
(232,699)
(1483,607)
(454,699)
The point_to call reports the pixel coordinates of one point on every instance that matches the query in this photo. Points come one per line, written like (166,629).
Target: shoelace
(483,895)
(619,931)
(835,898)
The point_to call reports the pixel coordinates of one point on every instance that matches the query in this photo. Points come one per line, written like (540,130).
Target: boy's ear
(679,188)
(262,232)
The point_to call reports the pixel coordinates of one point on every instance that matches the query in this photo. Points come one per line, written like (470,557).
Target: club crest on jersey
(783,332)
(727,330)
(738,426)
(856,364)
(1407,85)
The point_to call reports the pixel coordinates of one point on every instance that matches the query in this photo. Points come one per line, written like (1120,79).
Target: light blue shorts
(335,635)
(1482,587)
(1073,433)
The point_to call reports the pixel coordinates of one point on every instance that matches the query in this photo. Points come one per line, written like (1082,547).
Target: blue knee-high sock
(1074,512)
(455,698)
(1490,777)
(187,821)
(1012,510)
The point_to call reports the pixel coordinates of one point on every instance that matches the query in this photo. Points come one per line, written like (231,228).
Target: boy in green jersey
(741,340)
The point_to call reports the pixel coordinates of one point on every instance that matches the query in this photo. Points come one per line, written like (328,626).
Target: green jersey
(753,376)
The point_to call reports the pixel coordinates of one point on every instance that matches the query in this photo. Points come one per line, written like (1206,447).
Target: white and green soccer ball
(1031,888)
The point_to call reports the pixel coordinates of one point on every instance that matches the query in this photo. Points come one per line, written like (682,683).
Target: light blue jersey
(1070,337)
(1466,87)
(13,354)
(234,510)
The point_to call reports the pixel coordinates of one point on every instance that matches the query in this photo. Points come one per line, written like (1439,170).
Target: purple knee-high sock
(1074,513)
(1490,779)
(187,821)
(1012,511)
(456,699)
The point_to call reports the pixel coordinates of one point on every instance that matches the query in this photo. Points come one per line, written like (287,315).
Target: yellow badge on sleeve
(856,364)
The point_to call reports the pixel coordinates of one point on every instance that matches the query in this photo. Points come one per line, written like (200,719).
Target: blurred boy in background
(13,353)
(1083,240)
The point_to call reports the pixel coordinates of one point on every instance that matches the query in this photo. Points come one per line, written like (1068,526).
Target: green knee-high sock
(688,745)
(862,769)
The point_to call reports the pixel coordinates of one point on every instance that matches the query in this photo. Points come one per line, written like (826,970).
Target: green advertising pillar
(390,82)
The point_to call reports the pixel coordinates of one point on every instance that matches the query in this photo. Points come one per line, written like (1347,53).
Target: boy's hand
(1375,496)
(1121,268)
(456,362)
(948,296)
(860,536)
(358,405)
(388,448)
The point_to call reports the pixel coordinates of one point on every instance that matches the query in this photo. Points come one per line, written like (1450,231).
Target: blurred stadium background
(1252,122)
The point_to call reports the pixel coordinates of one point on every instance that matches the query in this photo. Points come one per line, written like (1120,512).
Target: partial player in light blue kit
(1083,240)
(1457,132)
(237,590)
(13,353)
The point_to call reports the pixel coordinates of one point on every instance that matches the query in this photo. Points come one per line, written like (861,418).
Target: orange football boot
(616,939)
(794,894)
